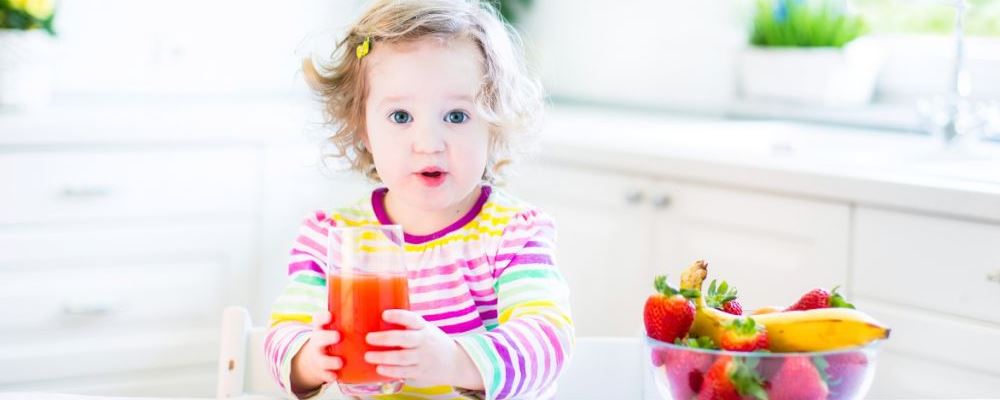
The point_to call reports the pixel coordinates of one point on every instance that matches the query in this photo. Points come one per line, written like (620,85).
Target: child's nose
(429,139)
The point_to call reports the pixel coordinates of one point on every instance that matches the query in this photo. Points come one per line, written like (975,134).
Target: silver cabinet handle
(662,201)
(993,276)
(634,197)
(84,192)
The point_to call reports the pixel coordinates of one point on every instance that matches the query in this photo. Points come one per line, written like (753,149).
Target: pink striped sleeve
(304,294)
(524,354)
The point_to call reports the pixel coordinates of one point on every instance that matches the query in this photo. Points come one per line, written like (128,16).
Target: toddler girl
(430,98)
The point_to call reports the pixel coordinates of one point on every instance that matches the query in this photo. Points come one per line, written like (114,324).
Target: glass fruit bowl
(680,372)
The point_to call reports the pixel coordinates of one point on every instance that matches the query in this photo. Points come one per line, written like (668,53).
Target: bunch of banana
(788,331)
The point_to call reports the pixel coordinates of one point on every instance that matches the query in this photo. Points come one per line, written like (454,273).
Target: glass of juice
(365,276)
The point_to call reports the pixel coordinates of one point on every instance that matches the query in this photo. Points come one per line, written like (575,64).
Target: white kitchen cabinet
(936,282)
(772,248)
(933,280)
(72,184)
(939,264)
(900,376)
(115,266)
(617,231)
(930,355)
(182,382)
(603,242)
(80,300)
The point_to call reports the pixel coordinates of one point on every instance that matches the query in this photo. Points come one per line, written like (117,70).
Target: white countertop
(857,166)
(870,167)
(87,121)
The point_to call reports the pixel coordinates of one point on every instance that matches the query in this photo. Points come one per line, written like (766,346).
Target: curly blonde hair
(510,98)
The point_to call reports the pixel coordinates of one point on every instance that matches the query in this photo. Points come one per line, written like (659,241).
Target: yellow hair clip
(362,50)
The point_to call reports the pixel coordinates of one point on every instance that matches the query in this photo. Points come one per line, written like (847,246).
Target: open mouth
(432,176)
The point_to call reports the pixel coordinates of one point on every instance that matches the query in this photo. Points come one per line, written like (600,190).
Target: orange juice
(356,304)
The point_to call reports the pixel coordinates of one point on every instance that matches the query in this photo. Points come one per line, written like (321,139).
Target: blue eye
(400,117)
(456,117)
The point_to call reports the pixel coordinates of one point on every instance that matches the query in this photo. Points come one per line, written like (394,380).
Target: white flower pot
(826,76)
(25,68)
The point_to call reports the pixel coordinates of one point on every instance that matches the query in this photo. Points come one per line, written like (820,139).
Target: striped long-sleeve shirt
(489,281)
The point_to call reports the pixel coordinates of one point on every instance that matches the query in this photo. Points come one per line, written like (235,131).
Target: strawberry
(685,369)
(797,379)
(669,313)
(730,379)
(723,297)
(743,334)
(820,298)
(844,373)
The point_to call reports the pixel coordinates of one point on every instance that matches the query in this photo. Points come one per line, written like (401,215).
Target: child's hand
(428,355)
(311,366)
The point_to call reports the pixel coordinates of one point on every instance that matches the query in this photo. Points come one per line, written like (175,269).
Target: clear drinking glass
(365,276)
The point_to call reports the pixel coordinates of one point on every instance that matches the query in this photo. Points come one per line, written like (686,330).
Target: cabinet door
(772,248)
(934,355)
(936,263)
(85,300)
(603,242)
(126,184)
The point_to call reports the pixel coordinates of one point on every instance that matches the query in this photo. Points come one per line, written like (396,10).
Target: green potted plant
(26,28)
(511,10)
(808,51)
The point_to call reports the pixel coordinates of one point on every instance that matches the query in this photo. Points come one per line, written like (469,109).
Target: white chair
(601,368)
(242,368)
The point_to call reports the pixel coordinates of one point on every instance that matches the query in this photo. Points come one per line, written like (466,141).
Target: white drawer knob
(993,276)
(661,201)
(85,192)
(634,197)
(90,307)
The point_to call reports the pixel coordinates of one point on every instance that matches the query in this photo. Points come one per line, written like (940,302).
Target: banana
(766,310)
(820,329)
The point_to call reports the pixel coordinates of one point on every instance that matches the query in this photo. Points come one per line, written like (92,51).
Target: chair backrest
(242,368)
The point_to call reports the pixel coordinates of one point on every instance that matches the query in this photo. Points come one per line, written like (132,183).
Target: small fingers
(331,363)
(328,376)
(404,339)
(324,338)
(397,357)
(407,318)
(320,318)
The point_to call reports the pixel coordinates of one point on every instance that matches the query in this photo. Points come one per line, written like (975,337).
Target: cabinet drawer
(182,382)
(88,299)
(901,376)
(110,294)
(933,263)
(79,186)
(120,275)
(772,248)
(85,357)
(962,343)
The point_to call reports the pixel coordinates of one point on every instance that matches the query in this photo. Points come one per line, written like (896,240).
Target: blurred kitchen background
(157,157)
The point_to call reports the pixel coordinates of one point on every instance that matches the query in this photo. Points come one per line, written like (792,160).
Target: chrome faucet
(955,114)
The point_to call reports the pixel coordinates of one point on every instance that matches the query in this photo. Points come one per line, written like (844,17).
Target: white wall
(670,54)
(683,55)
(189,46)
